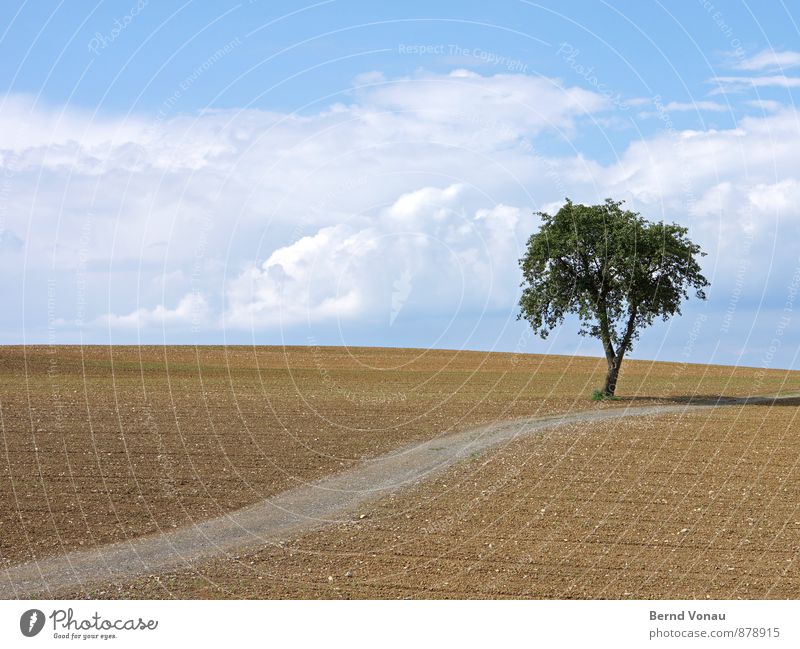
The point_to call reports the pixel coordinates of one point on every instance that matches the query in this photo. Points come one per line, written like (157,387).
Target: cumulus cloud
(362,270)
(675,167)
(312,279)
(781,197)
(204,193)
(406,197)
(512,103)
(149,186)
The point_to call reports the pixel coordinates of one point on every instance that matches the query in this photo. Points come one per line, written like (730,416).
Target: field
(104,444)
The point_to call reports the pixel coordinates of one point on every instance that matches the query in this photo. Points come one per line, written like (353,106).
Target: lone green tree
(612,268)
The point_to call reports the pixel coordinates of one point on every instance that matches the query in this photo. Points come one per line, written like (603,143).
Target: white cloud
(782,197)
(678,106)
(766,105)
(696,105)
(735,189)
(714,202)
(512,103)
(721,182)
(153,186)
(687,106)
(770,63)
(309,280)
(175,205)
(421,187)
(737,84)
(769,59)
(30,127)
(191,310)
(426,241)
(675,166)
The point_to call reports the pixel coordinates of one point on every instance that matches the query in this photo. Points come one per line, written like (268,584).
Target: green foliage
(612,268)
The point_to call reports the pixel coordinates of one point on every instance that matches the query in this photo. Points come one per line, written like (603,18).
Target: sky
(360,173)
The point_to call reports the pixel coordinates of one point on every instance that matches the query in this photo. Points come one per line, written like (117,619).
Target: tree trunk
(611,377)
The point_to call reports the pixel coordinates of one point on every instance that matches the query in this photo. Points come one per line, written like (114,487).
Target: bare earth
(101,448)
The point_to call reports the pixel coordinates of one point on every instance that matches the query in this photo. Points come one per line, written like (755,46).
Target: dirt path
(293,512)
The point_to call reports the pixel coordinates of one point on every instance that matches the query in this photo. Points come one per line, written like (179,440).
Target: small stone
(363,516)
(349,573)
(330,578)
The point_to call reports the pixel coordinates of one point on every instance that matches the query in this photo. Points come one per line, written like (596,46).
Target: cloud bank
(404,198)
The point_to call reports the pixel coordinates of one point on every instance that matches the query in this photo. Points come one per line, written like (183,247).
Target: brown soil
(704,505)
(104,444)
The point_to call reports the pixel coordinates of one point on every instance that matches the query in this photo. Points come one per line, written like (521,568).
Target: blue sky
(366,173)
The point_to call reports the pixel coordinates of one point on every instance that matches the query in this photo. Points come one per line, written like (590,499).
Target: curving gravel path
(294,512)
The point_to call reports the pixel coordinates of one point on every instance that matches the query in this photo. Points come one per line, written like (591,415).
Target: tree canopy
(611,267)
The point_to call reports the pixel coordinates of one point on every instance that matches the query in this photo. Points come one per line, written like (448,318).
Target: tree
(612,268)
